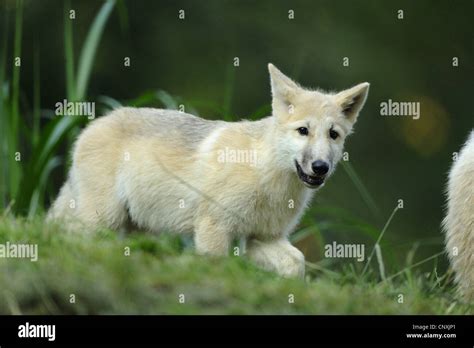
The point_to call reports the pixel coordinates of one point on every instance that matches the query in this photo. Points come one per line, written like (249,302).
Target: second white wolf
(459,221)
(161,170)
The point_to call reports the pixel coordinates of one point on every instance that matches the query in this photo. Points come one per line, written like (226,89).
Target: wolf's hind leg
(277,256)
(211,238)
(96,212)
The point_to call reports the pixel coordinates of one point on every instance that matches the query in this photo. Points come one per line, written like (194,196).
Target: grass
(94,268)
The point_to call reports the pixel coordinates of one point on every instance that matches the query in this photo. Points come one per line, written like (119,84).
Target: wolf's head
(312,126)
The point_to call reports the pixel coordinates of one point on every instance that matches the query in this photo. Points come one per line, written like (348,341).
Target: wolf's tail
(459,221)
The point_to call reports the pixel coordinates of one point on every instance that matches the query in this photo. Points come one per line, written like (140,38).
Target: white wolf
(163,170)
(459,221)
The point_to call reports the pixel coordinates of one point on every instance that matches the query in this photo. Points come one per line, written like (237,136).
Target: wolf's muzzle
(311,181)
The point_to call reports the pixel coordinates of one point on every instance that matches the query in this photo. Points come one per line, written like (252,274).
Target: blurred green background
(190,61)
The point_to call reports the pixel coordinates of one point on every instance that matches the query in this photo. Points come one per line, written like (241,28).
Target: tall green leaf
(3,116)
(69,52)
(36,98)
(13,134)
(90,47)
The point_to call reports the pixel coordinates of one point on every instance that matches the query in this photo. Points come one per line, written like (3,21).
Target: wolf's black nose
(320,167)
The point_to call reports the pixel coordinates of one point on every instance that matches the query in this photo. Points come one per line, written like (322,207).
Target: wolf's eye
(303,130)
(333,134)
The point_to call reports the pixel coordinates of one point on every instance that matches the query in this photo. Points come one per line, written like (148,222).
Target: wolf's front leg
(211,238)
(277,256)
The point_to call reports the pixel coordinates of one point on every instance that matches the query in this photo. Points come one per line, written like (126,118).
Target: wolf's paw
(277,256)
(292,265)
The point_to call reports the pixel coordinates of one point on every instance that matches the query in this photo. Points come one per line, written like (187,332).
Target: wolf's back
(459,221)
(119,158)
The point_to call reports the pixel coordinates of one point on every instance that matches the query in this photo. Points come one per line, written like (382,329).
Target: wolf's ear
(353,99)
(283,89)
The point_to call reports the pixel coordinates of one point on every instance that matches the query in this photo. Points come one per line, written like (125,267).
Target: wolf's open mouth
(309,180)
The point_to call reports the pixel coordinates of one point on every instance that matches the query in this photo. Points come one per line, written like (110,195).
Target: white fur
(459,221)
(158,170)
